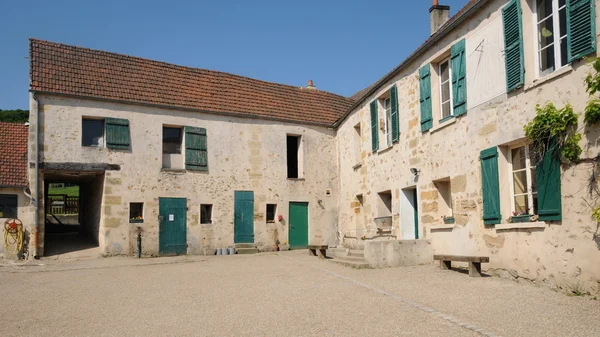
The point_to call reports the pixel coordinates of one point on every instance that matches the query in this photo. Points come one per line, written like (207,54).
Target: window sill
(357,166)
(522,225)
(386,149)
(296,179)
(136,220)
(441,227)
(170,170)
(564,70)
(443,123)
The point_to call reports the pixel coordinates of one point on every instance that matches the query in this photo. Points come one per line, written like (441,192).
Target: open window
(295,157)
(550,17)
(445,74)
(8,206)
(387,118)
(92,133)
(357,144)
(136,212)
(444,188)
(206,214)
(171,147)
(524,198)
(271,210)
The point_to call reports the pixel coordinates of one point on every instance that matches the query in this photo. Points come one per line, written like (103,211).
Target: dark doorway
(293,143)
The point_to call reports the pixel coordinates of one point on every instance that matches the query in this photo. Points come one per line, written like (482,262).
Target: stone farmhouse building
(432,158)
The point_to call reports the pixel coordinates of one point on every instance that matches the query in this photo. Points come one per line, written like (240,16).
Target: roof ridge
(58,44)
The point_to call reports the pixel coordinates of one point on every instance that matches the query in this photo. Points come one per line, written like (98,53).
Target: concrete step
(352,258)
(333,252)
(356,252)
(246,250)
(351,263)
(244,245)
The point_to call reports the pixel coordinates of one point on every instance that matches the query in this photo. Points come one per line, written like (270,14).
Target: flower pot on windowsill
(136,220)
(449,220)
(521,218)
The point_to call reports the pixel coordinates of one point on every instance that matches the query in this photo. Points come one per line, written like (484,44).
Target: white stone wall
(24,213)
(559,254)
(243,154)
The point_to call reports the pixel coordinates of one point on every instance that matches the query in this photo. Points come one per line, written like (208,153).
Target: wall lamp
(415,171)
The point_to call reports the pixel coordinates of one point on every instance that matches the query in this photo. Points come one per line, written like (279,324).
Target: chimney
(438,15)
(310,85)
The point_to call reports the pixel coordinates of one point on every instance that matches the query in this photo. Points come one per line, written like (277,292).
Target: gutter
(36,192)
(476,4)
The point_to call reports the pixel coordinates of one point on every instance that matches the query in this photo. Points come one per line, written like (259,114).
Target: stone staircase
(354,258)
(245,248)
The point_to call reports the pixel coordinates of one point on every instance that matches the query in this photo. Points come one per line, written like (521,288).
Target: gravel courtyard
(273,295)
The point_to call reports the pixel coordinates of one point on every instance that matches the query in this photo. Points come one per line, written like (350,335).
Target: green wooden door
(298,224)
(172,226)
(243,217)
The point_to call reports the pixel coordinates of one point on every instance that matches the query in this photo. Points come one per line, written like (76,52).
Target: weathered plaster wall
(243,154)
(24,213)
(559,254)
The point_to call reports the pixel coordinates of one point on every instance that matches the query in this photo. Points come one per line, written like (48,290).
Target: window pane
(533,157)
(521,203)
(446,109)
(444,71)
(544,8)
(8,206)
(520,182)
(172,140)
(561,3)
(518,158)
(92,132)
(545,33)
(445,91)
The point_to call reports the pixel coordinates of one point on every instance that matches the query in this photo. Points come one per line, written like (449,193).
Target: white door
(408,214)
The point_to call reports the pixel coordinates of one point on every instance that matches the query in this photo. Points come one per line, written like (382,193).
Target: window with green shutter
(581,28)
(425,98)
(547,173)
(490,186)
(513,45)
(395,121)
(117,133)
(459,78)
(195,149)
(374,126)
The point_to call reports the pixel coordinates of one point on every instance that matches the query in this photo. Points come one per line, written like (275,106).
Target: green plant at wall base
(559,124)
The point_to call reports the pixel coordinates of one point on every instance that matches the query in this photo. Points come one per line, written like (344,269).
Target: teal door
(243,222)
(298,224)
(172,214)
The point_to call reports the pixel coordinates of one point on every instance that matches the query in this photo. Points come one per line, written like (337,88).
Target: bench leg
(445,265)
(322,253)
(312,252)
(474,269)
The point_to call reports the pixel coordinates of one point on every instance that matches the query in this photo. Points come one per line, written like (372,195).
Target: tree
(14,116)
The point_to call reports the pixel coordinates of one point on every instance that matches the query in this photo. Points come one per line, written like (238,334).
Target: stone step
(246,250)
(244,245)
(356,252)
(351,263)
(333,252)
(352,258)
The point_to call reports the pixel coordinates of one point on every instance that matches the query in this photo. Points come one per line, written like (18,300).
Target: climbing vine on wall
(592,81)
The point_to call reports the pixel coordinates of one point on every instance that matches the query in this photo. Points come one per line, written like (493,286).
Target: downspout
(36,184)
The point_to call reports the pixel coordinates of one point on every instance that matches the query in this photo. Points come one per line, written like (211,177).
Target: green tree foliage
(14,116)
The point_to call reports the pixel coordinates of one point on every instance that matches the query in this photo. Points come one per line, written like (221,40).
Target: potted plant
(276,246)
(521,217)
(448,220)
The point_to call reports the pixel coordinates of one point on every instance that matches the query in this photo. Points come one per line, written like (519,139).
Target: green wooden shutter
(547,174)
(581,28)
(513,45)
(195,149)
(490,186)
(374,127)
(117,133)
(459,78)
(425,100)
(394,113)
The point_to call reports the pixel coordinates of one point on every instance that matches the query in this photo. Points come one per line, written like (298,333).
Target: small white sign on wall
(171,217)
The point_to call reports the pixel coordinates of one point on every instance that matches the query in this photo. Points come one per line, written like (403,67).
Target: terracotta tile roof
(13,154)
(76,71)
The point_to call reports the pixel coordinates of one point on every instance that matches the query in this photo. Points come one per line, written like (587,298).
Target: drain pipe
(36,184)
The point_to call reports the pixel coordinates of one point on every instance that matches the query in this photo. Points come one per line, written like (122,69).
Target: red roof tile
(62,69)
(13,154)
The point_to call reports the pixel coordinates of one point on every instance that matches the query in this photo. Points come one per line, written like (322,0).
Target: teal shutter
(581,28)
(394,113)
(490,186)
(195,149)
(513,45)
(117,133)
(374,127)
(547,174)
(425,100)
(459,78)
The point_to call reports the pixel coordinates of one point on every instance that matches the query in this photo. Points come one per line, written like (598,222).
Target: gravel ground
(269,294)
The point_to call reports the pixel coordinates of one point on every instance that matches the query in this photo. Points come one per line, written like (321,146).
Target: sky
(343,46)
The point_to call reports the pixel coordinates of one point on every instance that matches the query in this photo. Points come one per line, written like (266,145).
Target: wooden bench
(317,250)
(474,262)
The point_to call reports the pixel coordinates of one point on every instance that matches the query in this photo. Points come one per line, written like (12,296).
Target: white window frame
(386,104)
(527,169)
(556,44)
(450,98)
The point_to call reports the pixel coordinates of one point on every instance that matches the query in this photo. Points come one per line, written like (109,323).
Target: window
(136,212)
(384,206)
(387,109)
(172,140)
(445,192)
(524,187)
(205,214)
(445,72)
(92,132)
(551,29)
(357,144)
(294,156)
(8,206)
(271,209)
